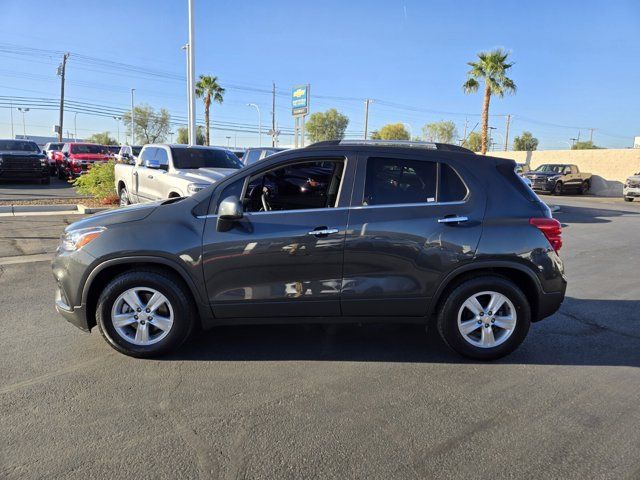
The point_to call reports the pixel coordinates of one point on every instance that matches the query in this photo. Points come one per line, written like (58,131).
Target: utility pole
(591,135)
(61,71)
(366,117)
(506,136)
(185,47)
(464,136)
(133,120)
(273,115)
(191,79)
(259,122)
(11,113)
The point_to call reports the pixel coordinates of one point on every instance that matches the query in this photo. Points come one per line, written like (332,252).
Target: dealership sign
(300,100)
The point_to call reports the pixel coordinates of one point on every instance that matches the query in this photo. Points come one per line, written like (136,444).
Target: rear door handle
(325,231)
(455,219)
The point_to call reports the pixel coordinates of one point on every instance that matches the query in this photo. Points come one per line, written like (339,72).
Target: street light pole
(75,126)
(24,129)
(185,47)
(259,122)
(117,119)
(191,81)
(133,141)
(228,140)
(366,117)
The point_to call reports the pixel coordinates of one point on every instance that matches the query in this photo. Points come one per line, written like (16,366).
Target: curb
(58,209)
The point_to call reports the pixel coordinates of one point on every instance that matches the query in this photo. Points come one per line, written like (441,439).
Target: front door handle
(454,219)
(323,231)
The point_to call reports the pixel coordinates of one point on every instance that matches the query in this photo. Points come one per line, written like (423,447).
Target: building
(636,142)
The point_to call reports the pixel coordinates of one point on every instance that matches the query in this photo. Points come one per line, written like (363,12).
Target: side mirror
(230,209)
(152,164)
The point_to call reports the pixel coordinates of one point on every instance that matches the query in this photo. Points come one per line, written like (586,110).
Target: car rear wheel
(558,188)
(584,188)
(485,318)
(145,313)
(124,197)
(45,181)
(61,174)
(628,199)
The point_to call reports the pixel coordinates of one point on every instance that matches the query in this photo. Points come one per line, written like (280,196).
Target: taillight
(552,230)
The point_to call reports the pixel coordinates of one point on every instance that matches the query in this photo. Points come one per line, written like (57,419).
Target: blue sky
(576,62)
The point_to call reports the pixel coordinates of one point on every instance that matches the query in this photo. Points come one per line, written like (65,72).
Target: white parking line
(38,257)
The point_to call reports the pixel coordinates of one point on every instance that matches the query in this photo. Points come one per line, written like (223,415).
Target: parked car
(128,154)
(167,171)
(50,150)
(113,150)
(335,232)
(23,160)
(631,188)
(252,155)
(520,169)
(559,179)
(77,158)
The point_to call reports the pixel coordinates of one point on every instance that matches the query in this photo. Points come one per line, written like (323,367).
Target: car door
(284,257)
(141,174)
(155,186)
(398,246)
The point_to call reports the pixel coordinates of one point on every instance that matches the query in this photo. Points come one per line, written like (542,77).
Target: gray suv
(334,232)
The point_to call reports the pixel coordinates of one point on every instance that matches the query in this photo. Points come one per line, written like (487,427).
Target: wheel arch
(101,275)
(522,276)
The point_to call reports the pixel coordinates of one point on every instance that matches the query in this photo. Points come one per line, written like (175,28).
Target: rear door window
(396,181)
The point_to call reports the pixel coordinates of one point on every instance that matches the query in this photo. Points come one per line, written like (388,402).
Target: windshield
(113,148)
(18,146)
(551,168)
(136,150)
(87,149)
(186,158)
(55,146)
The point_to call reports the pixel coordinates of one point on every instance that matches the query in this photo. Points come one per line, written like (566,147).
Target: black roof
(445,147)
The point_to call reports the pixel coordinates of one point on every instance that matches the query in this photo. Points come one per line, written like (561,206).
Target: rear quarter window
(452,188)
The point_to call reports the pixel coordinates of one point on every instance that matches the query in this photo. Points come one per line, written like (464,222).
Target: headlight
(44,161)
(196,187)
(76,239)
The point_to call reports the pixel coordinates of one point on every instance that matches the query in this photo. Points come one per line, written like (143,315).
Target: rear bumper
(549,303)
(631,191)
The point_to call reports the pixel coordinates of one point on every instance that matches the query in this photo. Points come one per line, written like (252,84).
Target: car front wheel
(145,313)
(485,318)
(124,197)
(557,189)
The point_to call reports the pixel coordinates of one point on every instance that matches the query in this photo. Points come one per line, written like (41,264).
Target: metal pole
(295,131)
(185,47)
(75,125)
(62,75)
(591,135)
(259,122)
(366,117)
(117,119)
(11,112)
(273,116)
(24,129)
(133,120)
(506,136)
(191,79)
(302,131)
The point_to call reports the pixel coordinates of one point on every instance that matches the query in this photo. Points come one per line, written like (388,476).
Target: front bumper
(68,273)
(631,191)
(75,315)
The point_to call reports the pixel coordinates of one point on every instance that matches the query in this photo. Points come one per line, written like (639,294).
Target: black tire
(584,188)
(124,197)
(61,175)
(628,199)
(169,286)
(557,189)
(447,320)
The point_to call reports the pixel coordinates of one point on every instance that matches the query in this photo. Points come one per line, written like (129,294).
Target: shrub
(98,182)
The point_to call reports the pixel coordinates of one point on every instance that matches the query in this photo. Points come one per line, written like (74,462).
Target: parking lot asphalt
(32,191)
(335,401)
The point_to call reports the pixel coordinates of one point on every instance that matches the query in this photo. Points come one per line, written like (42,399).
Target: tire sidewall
(125,194)
(448,318)
(182,312)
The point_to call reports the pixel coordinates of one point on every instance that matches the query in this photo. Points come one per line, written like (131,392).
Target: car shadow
(571,214)
(583,332)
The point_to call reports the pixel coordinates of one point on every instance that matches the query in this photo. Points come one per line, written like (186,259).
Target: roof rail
(393,143)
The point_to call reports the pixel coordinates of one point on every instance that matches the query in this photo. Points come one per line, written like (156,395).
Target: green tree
(473,142)
(150,127)
(329,125)
(442,132)
(102,138)
(491,68)
(391,131)
(525,142)
(588,145)
(98,182)
(183,135)
(208,89)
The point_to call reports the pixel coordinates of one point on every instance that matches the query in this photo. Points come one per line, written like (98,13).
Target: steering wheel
(264,198)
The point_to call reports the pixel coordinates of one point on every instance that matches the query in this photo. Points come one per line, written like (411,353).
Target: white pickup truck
(166,171)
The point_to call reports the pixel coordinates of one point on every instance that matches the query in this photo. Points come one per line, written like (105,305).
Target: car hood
(635,178)
(131,213)
(205,175)
(21,153)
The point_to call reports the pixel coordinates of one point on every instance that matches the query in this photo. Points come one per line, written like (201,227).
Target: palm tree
(491,67)
(208,89)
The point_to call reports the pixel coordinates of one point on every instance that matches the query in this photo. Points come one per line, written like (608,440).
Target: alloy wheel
(487,319)
(142,316)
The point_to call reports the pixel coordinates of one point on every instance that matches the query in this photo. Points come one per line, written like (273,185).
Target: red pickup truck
(76,158)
